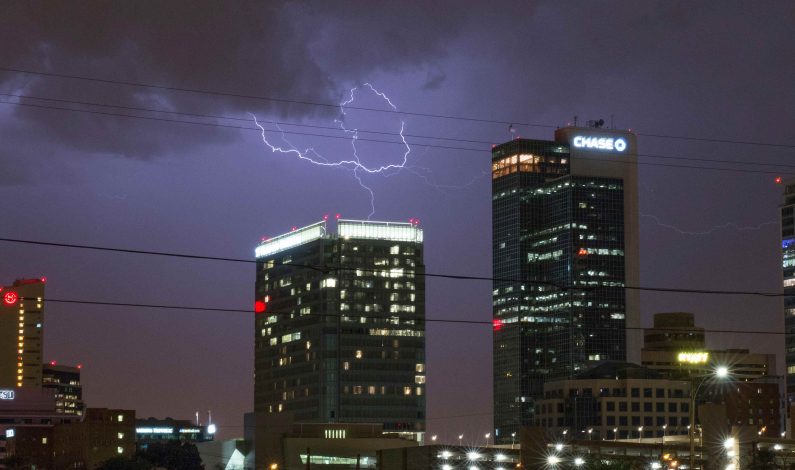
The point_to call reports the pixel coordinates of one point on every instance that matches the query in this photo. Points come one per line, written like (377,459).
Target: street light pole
(720,372)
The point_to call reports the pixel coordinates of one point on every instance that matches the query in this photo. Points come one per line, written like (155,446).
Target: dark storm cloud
(288,50)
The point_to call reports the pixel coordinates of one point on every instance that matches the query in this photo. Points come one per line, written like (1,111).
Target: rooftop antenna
(575,120)
(197,418)
(209,417)
(512,130)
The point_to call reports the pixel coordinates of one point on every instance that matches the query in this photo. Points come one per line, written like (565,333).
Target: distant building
(21,333)
(615,400)
(153,430)
(565,243)
(65,383)
(788,280)
(340,327)
(29,414)
(675,333)
(101,435)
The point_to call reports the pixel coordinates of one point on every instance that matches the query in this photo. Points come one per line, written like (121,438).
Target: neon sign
(6,394)
(693,357)
(10,298)
(600,143)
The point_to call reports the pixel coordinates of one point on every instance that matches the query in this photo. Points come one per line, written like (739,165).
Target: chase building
(565,243)
(340,327)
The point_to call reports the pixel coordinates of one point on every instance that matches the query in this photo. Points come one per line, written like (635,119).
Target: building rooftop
(347,229)
(618,370)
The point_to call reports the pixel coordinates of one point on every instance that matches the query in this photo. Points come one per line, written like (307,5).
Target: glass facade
(788,279)
(342,338)
(559,265)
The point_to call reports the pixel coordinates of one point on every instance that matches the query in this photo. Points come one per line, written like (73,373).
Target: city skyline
(100,179)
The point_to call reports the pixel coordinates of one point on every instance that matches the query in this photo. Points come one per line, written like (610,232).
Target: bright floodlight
(656,465)
(553,460)
(473,456)
(211,429)
(728,443)
(579,461)
(777,447)
(558,447)
(447,467)
(500,457)
(446,454)
(722,372)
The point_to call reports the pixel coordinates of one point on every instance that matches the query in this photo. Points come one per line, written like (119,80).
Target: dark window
(611,406)
(635,392)
(672,407)
(660,407)
(622,420)
(647,392)
(635,407)
(622,406)
(647,421)
(611,420)
(660,393)
(647,407)
(636,420)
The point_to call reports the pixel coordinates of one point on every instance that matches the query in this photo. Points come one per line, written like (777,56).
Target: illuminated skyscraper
(340,326)
(788,272)
(21,333)
(565,243)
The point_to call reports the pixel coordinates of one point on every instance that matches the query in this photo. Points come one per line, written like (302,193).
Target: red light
(337,216)
(259,306)
(10,298)
(294,228)
(493,145)
(52,363)
(583,252)
(325,217)
(80,366)
(497,324)
(43,279)
(778,180)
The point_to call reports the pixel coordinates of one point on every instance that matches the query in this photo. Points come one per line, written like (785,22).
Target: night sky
(719,70)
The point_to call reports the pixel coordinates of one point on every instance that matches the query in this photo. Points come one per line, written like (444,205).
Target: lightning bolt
(711,230)
(355,164)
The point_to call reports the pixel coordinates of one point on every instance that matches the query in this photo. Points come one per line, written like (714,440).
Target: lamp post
(720,373)
(513,439)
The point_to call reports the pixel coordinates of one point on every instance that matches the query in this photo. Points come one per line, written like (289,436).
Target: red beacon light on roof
(52,363)
(778,180)
(294,228)
(325,217)
(44,279)
(337,216)
(80,366)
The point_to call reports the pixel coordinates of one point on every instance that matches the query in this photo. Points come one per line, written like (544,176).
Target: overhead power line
(420,144)
(361,108)
(332,268)
(385,318)
(330,128)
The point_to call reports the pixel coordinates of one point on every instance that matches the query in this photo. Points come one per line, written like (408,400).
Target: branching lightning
(353,165)
(711,230)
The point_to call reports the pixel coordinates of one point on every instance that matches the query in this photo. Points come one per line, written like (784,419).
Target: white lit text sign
(6,394)
(693,357)
(600,143)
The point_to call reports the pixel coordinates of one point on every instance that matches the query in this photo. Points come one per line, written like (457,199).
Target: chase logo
(600,143)
(6,394)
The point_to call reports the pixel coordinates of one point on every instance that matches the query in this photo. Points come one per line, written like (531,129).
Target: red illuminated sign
(259,306)
(497,324)
(10,298)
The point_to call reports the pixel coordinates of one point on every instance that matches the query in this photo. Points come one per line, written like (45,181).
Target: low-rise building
(101,435)
(65,383)
(443,457)
(615,400)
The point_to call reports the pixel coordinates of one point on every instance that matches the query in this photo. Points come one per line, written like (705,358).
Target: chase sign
(599,143)
(6,394)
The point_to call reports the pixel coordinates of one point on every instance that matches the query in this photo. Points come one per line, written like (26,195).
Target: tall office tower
(64,381)
(339,328)
(21,333)
(788,271)
(565,243)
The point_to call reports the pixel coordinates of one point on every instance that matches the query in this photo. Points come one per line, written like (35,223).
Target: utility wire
(336,105)
(331,268)
(385,318)
(331,128)
(420,144)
